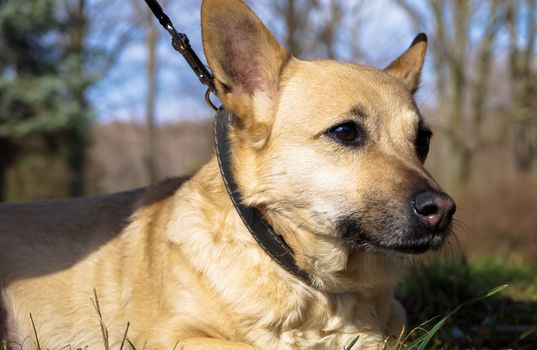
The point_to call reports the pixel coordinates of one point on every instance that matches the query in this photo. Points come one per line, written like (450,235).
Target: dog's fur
(177,262)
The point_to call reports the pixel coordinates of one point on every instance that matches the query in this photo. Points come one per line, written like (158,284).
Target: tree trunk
(76,162)
(77,138)
(465,171)
(7,156)
(524,87)
(151,41)
(3,181)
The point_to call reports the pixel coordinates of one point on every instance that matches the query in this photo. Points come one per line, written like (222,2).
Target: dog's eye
(348,133)
(422,143)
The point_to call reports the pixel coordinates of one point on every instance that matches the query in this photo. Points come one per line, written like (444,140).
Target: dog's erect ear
(244,56)
(407,67)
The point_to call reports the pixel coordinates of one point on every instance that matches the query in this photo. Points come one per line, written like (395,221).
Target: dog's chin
(413,242)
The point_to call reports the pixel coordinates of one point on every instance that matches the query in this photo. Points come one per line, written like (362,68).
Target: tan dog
(331,154)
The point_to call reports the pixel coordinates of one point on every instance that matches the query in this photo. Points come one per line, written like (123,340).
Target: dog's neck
(332,266)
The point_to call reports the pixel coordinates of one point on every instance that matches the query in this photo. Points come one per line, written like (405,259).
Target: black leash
(181,44)
(270,241)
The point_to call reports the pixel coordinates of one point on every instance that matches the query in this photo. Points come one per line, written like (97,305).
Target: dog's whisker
(458,223)
(307,220)
(464,210)
(452,248)
(460,226)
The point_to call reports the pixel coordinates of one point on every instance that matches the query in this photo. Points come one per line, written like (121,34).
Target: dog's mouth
(419,246)
(414,241)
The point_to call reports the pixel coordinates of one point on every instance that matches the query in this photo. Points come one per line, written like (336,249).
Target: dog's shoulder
(161,190)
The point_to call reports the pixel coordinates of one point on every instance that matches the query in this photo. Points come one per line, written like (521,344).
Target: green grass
(419,337)
(499,321)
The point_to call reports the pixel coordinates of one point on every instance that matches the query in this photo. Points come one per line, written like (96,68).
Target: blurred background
(93,99)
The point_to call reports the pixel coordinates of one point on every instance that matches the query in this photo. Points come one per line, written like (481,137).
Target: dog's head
(332,152)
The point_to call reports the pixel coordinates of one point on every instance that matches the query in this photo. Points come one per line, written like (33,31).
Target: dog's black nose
(434,209)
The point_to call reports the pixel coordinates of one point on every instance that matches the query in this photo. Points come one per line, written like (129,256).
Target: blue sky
(385,32)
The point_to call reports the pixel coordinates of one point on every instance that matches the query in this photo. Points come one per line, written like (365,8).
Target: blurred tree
(327,34)
(75,136)
(48,62)
(523,76)
(297,18)
(151,42)
(42,84)
(465,36)
(311,28)
(473,42)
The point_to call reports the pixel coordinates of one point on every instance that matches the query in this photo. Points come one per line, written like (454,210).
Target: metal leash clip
(181,44)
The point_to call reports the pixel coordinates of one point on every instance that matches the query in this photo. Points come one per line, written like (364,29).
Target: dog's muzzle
(422,224)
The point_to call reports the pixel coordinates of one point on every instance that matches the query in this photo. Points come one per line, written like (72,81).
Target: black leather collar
(271,242)
(263,233)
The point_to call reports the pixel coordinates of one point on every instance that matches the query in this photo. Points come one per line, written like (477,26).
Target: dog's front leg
(212,344)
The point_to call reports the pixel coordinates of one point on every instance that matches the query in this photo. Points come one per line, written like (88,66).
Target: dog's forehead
(321,89)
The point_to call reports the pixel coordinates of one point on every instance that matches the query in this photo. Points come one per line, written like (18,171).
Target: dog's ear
(407,67)
(244,56)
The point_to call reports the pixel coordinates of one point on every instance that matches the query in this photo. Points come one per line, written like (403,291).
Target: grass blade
(398,341)
(104,330)
(131,344)
(527,333)
(349,347)
(491,292)
(35,332)
(423,344)
(125,336)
